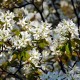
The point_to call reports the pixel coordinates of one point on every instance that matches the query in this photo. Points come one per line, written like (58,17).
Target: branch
(58,15)
(75,63)
(29,3)
(20,66)
(76,13)
(62,66)
(19,6)
(40,12)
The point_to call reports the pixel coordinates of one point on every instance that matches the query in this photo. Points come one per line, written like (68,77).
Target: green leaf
(43,43)
(14,57)
(25,56)
(68,51)
(5,65)
(67,48)
(1,22)
(28,47)
(16,31)
(21,53)
(16,18)
(1,42)
(62,48)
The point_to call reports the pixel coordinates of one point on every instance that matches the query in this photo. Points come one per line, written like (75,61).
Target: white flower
(22,41)
(22,22)
(53,47)
(35,56)
(45,53)
(40,30)
(7,19)
(4,34)
(26,36)
(65,27)
(26,69)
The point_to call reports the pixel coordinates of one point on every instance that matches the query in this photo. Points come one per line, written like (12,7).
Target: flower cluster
(32,48)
